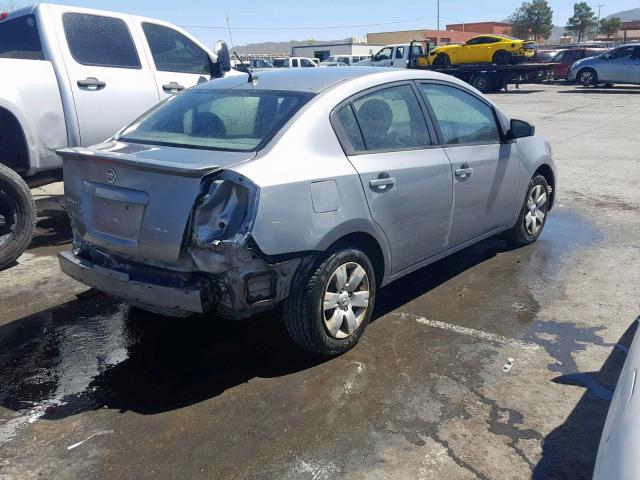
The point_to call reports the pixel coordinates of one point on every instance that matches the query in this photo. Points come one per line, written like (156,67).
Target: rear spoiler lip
(139,163)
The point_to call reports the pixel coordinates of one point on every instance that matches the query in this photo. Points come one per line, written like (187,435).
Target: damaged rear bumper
(188,298)
(230,284)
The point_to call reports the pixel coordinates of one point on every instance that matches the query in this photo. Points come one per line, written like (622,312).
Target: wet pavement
(422,395)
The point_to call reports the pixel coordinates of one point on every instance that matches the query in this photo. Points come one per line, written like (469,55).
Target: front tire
(533,215)
(442,60)
(17,216)
(587,77)
(329,308)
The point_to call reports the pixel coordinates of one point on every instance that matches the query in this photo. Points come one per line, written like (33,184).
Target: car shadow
(96,351)
(605,91)
(569,451)
(53,227)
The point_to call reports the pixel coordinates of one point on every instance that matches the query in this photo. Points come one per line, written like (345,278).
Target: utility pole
(598,24)
(438,21)
(229,28)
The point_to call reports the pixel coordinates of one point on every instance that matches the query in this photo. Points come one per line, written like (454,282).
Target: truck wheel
(17,216)
(502,57)
(482,82)
(442,60)
(533,215)
(587,77)
(328,310)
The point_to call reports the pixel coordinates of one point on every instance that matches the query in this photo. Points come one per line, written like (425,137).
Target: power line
(327,27)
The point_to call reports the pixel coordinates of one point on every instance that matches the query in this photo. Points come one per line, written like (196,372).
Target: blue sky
(282,14)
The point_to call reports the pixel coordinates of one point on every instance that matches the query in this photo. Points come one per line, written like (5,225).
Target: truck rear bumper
(187,298)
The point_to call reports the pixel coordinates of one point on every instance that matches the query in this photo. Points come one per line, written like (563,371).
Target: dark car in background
(565,58)
(544,56)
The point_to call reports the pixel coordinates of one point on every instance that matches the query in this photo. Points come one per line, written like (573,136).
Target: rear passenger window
(173,52)
(399,52)
(100,41)
(346,126)
(19,39)
(391,119)
(462,118)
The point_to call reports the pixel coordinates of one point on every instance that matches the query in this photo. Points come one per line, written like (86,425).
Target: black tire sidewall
(488,83)
(16,188)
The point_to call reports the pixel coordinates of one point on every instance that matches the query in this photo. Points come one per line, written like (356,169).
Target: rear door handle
(172,87)
(464,172)
(382,182)
(91,83)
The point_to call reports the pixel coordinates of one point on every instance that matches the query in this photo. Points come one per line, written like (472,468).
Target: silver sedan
(307,188)
(618,65)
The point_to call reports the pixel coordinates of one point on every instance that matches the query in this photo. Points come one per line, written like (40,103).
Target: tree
(532,20)
(582,22)
(610,26)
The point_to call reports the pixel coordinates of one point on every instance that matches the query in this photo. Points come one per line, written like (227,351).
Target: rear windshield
(242,120)
(19,38)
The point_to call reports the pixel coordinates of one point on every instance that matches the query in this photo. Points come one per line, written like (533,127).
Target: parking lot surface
(423,395)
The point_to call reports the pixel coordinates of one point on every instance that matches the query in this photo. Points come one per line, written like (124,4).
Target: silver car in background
(310,188)
(618,65)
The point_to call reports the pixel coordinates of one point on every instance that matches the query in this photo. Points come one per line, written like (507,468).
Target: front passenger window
(173,52)
(463,118)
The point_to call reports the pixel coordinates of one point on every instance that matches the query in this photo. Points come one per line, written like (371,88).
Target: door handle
(90,82)
(382,182)
(464,172)
(172,87)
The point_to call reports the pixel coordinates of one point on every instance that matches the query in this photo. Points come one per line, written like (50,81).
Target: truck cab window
(173,52)
(19,38)
(100,41)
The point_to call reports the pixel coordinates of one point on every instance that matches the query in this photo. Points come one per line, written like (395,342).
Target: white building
(323,51)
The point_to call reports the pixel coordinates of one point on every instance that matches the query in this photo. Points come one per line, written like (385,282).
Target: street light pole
(438,26)
(598,24)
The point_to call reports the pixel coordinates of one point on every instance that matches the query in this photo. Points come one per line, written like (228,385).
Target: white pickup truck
(396,56)
(73,77)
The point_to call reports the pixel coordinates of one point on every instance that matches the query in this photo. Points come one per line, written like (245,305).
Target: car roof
(315,80)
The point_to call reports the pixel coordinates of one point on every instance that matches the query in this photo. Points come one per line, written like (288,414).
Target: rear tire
(587,77)
(17,216)
(502,57)
(442,60)
(533,215)
(482,82)
(324,313)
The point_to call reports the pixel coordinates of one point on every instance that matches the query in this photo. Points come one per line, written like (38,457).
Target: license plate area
(114,213)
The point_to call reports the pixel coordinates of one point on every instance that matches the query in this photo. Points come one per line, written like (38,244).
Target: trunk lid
(136,199)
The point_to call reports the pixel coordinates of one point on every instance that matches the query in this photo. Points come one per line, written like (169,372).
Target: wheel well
(13,145)
(547,173)
(369,246)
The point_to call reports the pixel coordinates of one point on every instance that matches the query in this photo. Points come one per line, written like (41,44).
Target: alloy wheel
(346,300)
(536,210)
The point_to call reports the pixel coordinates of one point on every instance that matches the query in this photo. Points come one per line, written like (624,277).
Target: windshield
(232,120)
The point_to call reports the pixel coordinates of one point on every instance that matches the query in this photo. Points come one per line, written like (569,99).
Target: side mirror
(223,64)
(520,129)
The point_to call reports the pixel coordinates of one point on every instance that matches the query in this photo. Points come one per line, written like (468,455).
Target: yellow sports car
(497,49)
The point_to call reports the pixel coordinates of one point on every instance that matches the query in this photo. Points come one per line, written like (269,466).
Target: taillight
(4,15)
